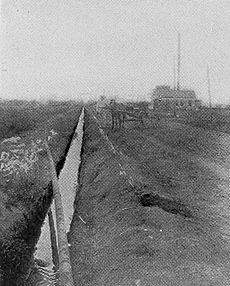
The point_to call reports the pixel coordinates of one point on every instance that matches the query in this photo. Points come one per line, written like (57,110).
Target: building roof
(164,91)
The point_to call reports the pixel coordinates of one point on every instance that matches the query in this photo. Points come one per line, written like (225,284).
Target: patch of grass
(18,121)
(214,119)
(17,117)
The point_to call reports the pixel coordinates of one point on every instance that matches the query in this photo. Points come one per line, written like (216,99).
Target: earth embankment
(133,224)
(27,193)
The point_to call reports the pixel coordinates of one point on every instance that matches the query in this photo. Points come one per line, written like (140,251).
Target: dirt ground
(152,207)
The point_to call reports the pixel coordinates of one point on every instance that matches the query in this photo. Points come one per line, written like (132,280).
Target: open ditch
(45,272)
(97,246)
(18,246)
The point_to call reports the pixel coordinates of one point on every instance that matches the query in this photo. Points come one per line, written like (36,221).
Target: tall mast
(178,62)
(174,73)
(209,89)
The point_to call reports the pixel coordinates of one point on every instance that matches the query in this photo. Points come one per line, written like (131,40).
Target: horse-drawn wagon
(136,112)
(121,113)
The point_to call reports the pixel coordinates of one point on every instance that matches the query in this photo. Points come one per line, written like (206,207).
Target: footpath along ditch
(125,233)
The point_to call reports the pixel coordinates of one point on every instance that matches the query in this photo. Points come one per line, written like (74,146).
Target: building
(165,98)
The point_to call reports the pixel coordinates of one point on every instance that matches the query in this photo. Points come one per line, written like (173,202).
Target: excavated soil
(26,198)
(151,209)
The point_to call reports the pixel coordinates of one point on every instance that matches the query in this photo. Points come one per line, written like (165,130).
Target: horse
(118,114)
(101,108)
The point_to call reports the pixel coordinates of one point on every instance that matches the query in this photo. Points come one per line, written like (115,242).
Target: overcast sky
(70,48)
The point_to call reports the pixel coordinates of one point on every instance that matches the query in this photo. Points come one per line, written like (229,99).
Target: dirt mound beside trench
(25,202)
(119,239)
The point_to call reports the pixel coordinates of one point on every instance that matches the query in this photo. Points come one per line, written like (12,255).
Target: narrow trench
(68,181)
(45,274)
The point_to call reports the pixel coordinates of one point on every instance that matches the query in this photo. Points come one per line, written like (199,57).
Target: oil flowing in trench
(68,186)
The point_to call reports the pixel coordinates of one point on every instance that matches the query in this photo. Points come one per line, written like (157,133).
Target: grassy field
(152,208)
(25,188)
(17,117)
(214,119)
(217,119)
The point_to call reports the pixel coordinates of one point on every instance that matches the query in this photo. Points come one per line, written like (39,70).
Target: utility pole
(178,62)
(174,73)
(209,93)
